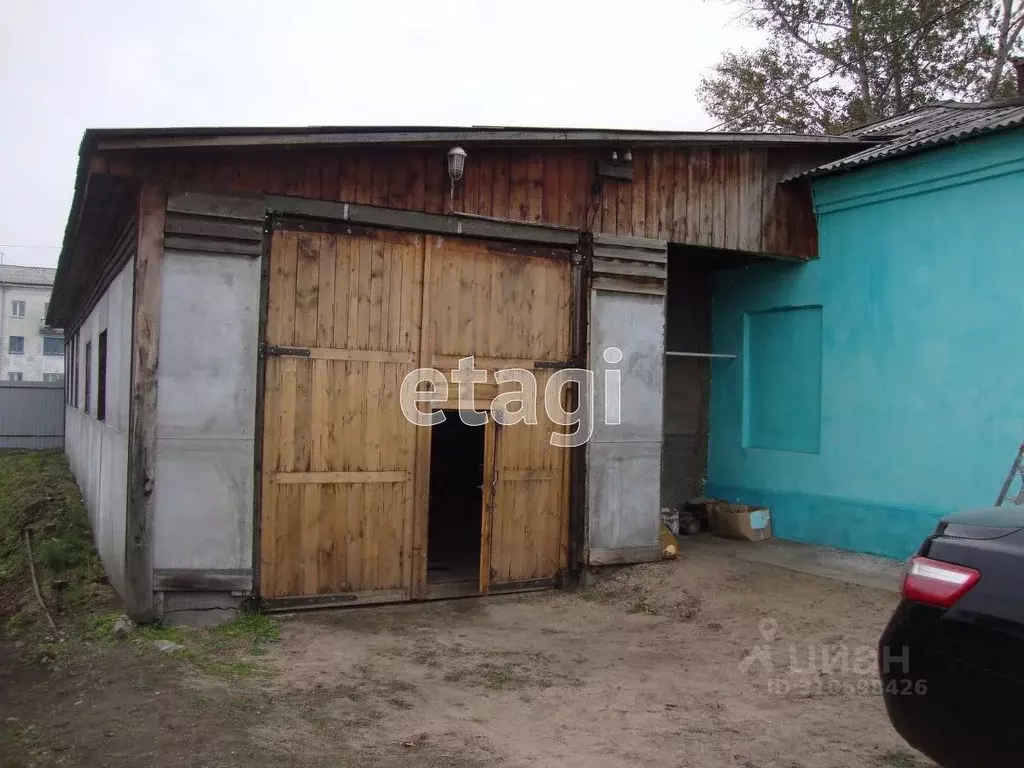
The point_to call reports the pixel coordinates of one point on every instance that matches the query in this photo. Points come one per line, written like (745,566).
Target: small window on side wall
(14,376)
(76,371)
(53,345)
(101,378)
(88,375)
(17,309)
(16,345)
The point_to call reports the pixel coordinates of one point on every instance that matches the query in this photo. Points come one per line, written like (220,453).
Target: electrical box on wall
(621,170)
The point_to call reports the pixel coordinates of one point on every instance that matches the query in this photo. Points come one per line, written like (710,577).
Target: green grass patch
(254,628)
(38,494)
(230,650)
(898,758)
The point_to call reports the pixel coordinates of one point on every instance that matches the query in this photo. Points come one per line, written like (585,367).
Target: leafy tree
(830,65)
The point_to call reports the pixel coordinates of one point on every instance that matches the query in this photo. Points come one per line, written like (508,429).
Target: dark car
(952,656)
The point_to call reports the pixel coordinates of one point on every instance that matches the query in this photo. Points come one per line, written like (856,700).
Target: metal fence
(31,415)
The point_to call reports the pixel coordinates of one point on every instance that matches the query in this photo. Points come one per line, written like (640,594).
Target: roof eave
(229,138)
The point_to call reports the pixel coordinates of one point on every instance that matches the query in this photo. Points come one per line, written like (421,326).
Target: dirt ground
(703,661)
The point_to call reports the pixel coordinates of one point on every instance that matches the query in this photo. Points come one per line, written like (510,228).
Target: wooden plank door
(509,307)
(342,331)
(529,517)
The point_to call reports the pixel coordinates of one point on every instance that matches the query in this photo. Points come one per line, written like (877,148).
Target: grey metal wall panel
(623,484)
(206,405)
(624,460)
(31,415)
(203,494)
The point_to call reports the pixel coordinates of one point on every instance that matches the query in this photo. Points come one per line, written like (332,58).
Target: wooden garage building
(242,307)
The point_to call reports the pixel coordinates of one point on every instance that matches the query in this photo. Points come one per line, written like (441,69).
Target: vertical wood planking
(307,288)
(434,190)
(519,203)
(325,296)
(682,194)
(534,185)
(268,491)
(566,213)
(416,190)
(638,218)
(326,537)
(500,206)
(281,307)
(485,191)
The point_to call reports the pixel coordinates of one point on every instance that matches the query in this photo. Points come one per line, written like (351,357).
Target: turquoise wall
(920,403)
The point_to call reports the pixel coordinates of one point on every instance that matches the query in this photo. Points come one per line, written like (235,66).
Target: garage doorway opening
(456,501)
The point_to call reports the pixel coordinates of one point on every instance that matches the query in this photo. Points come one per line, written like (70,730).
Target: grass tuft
(898,758)
(253,627)
(38,493)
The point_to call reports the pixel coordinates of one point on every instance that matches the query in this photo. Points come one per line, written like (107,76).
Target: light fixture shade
(456,162)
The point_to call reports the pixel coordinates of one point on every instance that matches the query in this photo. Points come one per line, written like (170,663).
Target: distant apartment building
(32,351)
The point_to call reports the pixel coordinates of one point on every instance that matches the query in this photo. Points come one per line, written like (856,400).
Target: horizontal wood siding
(716,197)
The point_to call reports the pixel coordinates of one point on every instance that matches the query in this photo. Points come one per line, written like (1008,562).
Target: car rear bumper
(957,714)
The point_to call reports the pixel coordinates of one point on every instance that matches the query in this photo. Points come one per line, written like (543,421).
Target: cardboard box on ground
(740,521)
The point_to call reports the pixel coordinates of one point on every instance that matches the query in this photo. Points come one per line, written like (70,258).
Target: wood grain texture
(345,493)
(337,451)
(691,195)
(146,299)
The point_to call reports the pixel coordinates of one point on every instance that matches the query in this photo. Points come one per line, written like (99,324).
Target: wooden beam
(421,479)
(339,478)
(466,225)
(349,355)
(628,286)
(527,475)
(146,299)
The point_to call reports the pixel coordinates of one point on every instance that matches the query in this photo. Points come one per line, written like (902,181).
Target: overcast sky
(66,65)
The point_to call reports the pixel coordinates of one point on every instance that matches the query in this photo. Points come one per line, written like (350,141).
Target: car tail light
(937,583)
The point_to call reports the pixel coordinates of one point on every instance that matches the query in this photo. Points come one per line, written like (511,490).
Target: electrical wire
(861,59)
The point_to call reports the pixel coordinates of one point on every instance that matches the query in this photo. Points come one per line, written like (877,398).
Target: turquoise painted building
(882,385)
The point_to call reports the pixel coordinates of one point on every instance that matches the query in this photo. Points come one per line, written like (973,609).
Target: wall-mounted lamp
(456,162)
(456,166)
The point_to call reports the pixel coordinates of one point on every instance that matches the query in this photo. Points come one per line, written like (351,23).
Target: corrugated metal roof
(926,127)
(13,274)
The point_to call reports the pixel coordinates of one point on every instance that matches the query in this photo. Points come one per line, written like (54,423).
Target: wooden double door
(345,476)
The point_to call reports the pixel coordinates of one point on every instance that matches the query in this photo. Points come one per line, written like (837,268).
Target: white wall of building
(32,364)
(98,450)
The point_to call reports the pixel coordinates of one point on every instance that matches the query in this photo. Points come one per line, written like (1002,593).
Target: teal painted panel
(782,379)
(922,333)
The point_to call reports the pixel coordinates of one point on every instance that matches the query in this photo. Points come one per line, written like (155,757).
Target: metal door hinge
(286,351)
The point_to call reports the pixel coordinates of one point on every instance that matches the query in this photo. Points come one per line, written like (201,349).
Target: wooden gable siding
(708,196)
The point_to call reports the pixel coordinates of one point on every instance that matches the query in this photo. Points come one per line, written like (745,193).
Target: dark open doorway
(456,499)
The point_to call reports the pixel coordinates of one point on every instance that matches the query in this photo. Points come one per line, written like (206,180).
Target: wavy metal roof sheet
(925,127)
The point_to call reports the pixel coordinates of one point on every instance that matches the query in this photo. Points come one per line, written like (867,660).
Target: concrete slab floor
(853,568)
